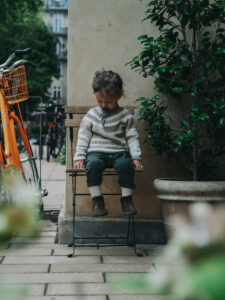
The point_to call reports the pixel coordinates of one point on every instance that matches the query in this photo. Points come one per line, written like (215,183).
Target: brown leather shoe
(98,206)
(127,206)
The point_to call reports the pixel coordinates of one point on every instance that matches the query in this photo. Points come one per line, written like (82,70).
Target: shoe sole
(100,215)
(129,214)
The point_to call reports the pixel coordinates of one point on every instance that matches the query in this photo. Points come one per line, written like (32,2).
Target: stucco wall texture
(103,34)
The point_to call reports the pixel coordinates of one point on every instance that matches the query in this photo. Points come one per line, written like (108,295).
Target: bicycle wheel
(5,197)
(30,174)
(59,144)
(48,152)
(49,141)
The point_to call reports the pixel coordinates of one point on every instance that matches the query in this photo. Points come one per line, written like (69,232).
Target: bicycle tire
(48,152)
(30,174)
(49,140)
(5,197)
(59,144)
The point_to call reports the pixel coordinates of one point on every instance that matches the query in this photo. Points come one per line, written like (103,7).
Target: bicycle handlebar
(21,53)
(18,54)
(19,62)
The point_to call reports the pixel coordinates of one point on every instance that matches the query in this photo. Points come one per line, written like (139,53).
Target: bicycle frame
(10,153)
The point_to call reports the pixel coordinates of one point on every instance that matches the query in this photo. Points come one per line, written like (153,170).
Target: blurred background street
(53,179)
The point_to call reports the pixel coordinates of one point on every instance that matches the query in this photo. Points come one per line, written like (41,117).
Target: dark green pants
(96,162)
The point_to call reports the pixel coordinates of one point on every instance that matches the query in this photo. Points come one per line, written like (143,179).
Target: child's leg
(95,165)
(126,191)
(95,191)
(124,166)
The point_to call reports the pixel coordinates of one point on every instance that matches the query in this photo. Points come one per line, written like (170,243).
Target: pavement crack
(45,290)
(154,266)
(49,268)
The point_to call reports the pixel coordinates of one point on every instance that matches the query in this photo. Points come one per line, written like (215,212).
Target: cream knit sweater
(112,133)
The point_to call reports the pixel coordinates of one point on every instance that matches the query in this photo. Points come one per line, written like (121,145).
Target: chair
(72,123)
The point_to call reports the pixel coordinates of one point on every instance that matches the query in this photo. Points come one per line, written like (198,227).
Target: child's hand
(137,164)
(79,164)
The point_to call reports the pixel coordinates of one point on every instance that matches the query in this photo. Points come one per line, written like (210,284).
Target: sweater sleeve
(83,140)
(132,139)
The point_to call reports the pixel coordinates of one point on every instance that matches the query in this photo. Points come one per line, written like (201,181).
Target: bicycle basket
(15,85)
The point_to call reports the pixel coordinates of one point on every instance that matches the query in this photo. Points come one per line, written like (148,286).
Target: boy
(108,138)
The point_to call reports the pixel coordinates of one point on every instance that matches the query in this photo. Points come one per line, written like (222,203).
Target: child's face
(105,101)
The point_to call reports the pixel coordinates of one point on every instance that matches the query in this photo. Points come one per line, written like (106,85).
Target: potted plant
(187,60)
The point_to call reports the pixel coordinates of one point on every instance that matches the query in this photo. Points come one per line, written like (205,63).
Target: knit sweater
(112,133)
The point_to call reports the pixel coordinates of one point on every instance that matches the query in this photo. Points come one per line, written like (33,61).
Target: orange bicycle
(13,90)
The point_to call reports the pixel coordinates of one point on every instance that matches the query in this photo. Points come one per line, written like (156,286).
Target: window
(57,92)
(60,69)
(58,48)
(57,23)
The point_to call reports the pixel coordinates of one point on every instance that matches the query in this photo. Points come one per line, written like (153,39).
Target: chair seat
(106,171)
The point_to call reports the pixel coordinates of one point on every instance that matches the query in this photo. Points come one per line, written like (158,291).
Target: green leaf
(203,116)
(142,37)
(141,99)
(221,121)
(162,69)
(208,64)
(184,124)
(199,80)
(177,90)
(220,51)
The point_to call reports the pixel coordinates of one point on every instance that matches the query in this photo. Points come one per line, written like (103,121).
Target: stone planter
(176,195)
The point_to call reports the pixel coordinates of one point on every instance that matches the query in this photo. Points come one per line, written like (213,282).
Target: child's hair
(109,83)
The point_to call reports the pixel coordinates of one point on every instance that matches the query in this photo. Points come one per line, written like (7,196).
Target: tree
(21,27)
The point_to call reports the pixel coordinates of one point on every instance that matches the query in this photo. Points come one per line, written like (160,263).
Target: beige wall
(103,34)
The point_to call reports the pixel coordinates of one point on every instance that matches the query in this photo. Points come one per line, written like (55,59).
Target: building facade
(55,16)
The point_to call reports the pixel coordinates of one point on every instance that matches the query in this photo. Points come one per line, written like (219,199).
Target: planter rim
(181,179)
(172,189)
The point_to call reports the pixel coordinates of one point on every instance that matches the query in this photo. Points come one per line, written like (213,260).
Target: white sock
(95,191)
(126,191)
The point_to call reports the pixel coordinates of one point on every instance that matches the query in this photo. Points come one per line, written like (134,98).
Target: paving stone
(47,225)
(37,240)
(37,246)
(78,289)
(32,289)
(86,289)
(23,252)
(151,246)
(154,251)
(12,269)
(127,259)
(118,268)
(67,298)
(48,233)
(50,260)
(124,276)
(100,251)
(51,278)
(57,195)
(135,297)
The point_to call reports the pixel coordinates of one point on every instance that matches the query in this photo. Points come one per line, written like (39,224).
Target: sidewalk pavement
(44,268)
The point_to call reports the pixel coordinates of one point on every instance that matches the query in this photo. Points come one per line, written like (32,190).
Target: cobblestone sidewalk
(44,268)
(48,273)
